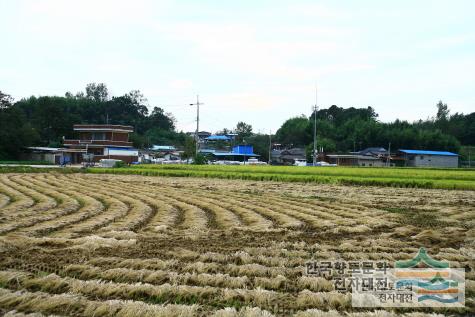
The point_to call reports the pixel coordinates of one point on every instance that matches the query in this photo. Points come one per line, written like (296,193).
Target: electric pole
(469,157)
(197,139)
(389,155)
(315,109)
(270,146)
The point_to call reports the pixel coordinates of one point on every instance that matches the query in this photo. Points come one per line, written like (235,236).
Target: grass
(29,169)
(107,261)
(26,162)
(417,217)
(394,177)
(463,179)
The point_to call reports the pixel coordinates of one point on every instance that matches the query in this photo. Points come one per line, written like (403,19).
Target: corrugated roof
(163,147)
(121,148)
(234,154)
(423,152)
(218,137)
(353,156)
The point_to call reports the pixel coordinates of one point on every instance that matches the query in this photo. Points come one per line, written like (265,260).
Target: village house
(422,158)
(103,141)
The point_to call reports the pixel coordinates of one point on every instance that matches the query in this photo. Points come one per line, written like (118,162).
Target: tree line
(342,130)
(46,120)
(353,129)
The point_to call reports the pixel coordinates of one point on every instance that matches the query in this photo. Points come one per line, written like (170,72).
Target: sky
(254,61)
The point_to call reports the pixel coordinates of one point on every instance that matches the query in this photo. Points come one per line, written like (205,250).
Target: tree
(295,132)
(5,100)
(224,131)
(189,148)
(97,92)
(159,119)
(243,130)
(200,159)
(15,133)
(442,111)
(260,143)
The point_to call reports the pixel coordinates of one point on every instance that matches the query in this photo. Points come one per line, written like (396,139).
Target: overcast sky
(253,61)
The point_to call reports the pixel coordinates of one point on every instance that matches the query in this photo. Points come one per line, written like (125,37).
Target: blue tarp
(422,152)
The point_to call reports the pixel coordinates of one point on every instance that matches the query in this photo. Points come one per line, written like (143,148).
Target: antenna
(197,139)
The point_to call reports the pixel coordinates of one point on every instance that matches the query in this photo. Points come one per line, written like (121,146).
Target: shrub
(119,164)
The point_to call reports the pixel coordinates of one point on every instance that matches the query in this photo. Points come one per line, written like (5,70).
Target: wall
(433,161)
(47,157)
(371,163)
(126,159)
(121,152)
(117,136)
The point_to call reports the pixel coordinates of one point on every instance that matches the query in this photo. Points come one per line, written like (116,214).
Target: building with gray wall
(420,158)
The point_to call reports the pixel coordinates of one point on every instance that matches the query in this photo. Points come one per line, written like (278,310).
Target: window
(98,136)
(422,157)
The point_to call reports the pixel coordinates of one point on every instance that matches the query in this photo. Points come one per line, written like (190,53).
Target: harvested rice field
(132,245)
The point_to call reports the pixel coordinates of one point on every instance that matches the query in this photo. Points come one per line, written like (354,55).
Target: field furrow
(120,245)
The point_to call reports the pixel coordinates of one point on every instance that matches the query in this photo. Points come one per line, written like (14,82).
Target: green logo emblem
(422,258)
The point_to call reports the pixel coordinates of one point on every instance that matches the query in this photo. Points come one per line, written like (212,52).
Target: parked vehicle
(300,162)
(108,162)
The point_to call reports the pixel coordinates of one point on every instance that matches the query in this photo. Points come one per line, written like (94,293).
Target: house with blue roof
(423,158)
(238,153)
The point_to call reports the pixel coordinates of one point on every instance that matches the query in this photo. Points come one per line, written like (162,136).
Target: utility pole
(389,155)
(469,157)
(270,146)
(197,139)
(315,109)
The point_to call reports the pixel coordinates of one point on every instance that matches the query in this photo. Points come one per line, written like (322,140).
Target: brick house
(104,141)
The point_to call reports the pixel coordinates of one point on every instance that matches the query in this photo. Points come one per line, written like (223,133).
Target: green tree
(97,92)
(200,159)
(442,111)
(189,148)
(5,100)
(295,132)
(243,130)
(15,132)
(260,143)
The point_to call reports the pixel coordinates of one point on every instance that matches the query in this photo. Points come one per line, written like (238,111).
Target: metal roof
(121,148)
(43,148)
(234,154)
(103,127)
(218,137)
(353,156)
(163,147)
(423,152)
(372,151)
